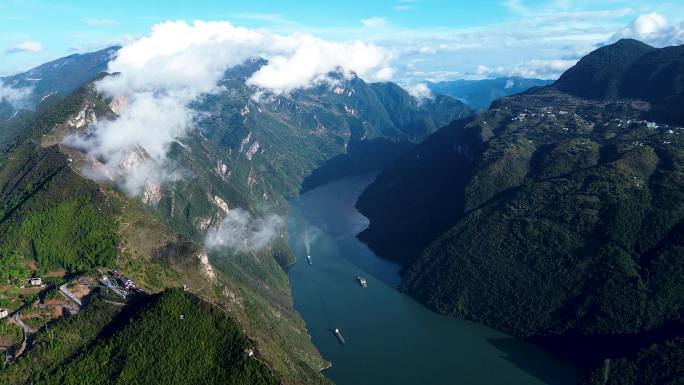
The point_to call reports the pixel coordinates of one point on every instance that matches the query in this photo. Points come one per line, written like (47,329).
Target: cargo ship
(362,281)
(340,339)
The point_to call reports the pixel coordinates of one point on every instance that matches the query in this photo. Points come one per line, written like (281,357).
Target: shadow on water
(519,355)
(362,157)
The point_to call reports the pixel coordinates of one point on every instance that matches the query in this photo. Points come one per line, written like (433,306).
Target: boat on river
(340,339)
(362,281)
(308,260)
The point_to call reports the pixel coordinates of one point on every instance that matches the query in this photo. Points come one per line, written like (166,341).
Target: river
(390,338)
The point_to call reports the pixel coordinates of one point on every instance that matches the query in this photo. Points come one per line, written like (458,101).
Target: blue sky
(431,39)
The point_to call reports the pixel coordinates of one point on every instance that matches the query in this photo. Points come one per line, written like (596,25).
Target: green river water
(390,338)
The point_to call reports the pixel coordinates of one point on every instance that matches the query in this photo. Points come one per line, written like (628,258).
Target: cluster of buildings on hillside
(119,284)
(125,282)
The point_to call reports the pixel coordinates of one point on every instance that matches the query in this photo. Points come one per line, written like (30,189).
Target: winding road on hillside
(70,295)
(16,318)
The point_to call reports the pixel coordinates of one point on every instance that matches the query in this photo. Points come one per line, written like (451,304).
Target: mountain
(62,76)
(479,94)
(45,84)
(247,154)
(151,341)
(556,215)
(315,125)
(630,69)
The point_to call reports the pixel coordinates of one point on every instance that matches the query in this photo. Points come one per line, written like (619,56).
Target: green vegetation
(69,235)
(10,333)
(176,339)
(62,339)
(50,215)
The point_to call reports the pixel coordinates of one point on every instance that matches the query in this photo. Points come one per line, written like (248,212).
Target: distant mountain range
(62,76)
(556,215)
(479,94)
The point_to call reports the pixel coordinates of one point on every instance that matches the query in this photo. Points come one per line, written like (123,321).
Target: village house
(3,313)
(127,283)
(35,281)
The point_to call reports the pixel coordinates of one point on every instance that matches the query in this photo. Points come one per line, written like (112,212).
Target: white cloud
(536,68)
(132,149)
(653,28)
(403,8)
(309,60)
(240,231)
(374,22)
(542,69)
(16,97)
(420,91)
(177,63)
(96,21)
(25,46)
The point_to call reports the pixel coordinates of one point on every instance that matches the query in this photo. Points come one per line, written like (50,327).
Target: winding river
(390,338)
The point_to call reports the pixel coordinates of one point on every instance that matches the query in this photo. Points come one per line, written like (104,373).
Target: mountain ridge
(479,94)
(549,216)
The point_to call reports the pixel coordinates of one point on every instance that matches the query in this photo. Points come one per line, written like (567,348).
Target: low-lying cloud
(540,69)
(16,97)
(177,63)
(420,92)
(241,231)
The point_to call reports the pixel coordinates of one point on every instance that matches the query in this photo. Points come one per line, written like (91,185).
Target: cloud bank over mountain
(16,97)
(160,74)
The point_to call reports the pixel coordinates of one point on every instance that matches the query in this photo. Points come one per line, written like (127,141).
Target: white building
(35,281)
(3,313)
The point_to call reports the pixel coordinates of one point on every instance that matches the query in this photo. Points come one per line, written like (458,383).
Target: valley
(279,202)
(398,340)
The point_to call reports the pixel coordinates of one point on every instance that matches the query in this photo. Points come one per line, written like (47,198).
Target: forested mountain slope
(53,218)
(175,338)
(549,216)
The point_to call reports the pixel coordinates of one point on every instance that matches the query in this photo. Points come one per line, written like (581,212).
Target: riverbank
(390,338)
